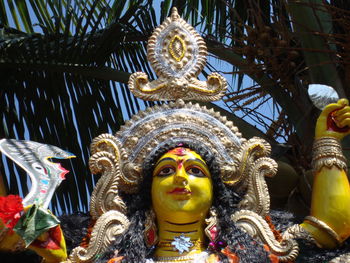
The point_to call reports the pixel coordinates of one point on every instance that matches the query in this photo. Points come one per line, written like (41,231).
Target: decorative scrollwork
(257,227)
(249,151)
(257,197)
(106,143)
(107,228)
(105,196)
(296,231)
(174,88)
(253,167)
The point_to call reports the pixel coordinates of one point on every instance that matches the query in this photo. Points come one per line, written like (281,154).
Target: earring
(211,230)
(150,234)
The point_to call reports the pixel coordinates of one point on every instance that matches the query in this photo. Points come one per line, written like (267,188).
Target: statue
(180,184)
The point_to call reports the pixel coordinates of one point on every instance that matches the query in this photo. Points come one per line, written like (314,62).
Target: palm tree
(64,66)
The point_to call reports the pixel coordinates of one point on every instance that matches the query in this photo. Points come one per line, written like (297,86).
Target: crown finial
(174,14)
(177,54)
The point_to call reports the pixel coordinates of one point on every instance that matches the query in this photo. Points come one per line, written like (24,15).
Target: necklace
(196,258)
(181,244)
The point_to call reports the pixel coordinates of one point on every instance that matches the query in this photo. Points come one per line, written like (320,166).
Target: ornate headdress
(177,54)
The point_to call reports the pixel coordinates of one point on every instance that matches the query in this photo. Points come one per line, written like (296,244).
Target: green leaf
(33,223)
(24,14)
(14,14)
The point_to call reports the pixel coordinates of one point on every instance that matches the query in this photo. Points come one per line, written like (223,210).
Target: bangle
(327,152)
(323,226)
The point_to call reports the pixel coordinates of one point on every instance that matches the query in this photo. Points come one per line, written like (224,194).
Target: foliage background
(64,66)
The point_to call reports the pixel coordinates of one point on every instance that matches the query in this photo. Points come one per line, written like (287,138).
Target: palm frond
(58,88)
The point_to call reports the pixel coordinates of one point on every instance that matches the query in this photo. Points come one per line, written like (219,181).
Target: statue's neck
(169,232)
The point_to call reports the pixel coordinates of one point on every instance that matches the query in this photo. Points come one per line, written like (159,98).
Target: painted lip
(180,191)
(63,173)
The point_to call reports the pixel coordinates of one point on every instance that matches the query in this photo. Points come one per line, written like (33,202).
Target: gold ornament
(183,259)
(191,244)
(201,257)
(322,225)
(327,152)
(176,122)
(296,231)
(177,54)
(257,227)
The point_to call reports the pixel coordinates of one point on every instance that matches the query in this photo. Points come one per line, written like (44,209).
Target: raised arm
(329,220)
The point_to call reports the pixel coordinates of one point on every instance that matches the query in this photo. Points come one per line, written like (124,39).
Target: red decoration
(276,233)
(51,239)
(213,232)
(273,257)
(179,151)
(10,210)
(332,125)
(151,236)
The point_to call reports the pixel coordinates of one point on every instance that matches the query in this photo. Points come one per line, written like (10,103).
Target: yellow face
(182,186)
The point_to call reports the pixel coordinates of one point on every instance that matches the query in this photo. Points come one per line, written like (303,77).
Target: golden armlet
(327,152)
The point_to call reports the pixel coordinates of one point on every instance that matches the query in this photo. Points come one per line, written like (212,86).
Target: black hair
(131,244)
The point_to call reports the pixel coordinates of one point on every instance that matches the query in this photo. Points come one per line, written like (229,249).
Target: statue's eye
(39,168)
(166,171)
(196,172)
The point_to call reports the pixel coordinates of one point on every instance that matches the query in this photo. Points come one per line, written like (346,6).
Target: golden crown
(177,54)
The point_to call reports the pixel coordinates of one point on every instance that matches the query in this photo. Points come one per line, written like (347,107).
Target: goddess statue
(179,183)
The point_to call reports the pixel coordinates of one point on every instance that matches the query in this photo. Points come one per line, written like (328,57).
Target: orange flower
(232,257)
(115,260)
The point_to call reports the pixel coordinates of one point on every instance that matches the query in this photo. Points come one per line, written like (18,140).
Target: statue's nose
(181,177)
